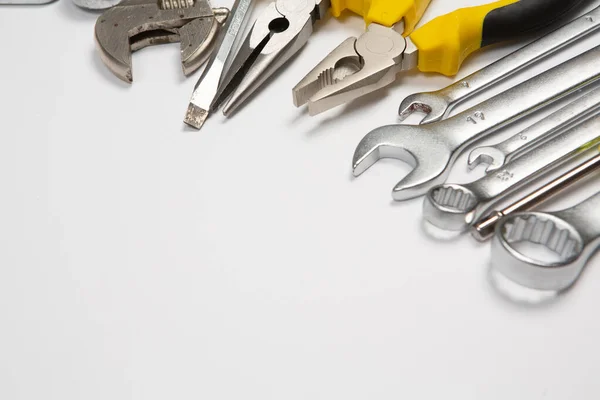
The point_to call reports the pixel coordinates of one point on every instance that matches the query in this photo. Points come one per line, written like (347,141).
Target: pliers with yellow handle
(284,27)
(362,65)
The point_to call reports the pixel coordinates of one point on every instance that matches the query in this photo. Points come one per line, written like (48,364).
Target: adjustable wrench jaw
(430,155)
(135,24)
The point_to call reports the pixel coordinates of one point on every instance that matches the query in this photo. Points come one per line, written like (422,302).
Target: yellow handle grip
(446,41)
(384,12)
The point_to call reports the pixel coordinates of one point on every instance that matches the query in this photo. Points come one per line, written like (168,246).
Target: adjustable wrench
(501,153)
(439,103)
(433,148)
(456,207)
(572,234)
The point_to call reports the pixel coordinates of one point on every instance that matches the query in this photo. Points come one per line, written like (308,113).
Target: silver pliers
(278,33)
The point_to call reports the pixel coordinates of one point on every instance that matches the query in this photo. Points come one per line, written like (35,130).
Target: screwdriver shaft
(208,84)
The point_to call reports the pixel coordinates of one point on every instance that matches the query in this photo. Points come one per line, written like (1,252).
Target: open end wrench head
(434,107)
(489,155)
(134,24)
(425,150)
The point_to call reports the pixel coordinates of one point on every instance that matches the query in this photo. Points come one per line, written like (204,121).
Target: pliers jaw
(278,34)
(355,68)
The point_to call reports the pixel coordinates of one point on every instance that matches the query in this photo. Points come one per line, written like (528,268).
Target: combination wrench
(456,207)
(498,155)
(437,105)
(432,149)
(573,235)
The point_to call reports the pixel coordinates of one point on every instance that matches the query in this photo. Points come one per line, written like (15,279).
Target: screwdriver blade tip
(195,116)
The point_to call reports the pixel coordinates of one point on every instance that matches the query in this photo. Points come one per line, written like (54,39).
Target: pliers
(362,65)
(283,29)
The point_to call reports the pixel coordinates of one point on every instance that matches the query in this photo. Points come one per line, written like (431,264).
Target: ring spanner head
(538,229)
(135,24)
(571,235)
(450,206)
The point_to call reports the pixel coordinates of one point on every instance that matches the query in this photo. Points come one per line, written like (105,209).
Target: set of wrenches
(526,161)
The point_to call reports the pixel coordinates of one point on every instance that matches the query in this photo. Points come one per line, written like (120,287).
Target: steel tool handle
(534,164)
(384,12)
(521,100)
(484,228)
(445,42)
(522,58)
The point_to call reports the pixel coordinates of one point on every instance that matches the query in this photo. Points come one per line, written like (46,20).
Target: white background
(142,260)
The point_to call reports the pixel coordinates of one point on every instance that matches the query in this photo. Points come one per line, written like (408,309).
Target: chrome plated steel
(571,235)
(437,105)
(432,149)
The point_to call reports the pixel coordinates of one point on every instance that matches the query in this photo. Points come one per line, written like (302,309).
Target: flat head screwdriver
(209,83)
(484,229)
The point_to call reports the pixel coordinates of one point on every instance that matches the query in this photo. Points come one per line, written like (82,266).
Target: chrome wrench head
(493,157)
(450,206)
(572,235)
(135,24)
(425,149)
(434,106)
(433,148)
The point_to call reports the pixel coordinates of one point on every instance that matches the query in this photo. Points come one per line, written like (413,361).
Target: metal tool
(363,65)
(457,207)
(437,105)
(279,32)
(432,149)
(484,228)
(96,4)
(500,154)
(283,29)
(206,89)
(572,235)
(135,24)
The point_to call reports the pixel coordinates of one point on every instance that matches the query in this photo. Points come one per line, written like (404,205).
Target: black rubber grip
(525,16)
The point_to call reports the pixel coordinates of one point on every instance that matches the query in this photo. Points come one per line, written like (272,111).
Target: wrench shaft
(484,229)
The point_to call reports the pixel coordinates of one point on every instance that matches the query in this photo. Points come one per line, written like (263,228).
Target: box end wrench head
(450,207)
(571,235)
(538,229)
(429,153)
